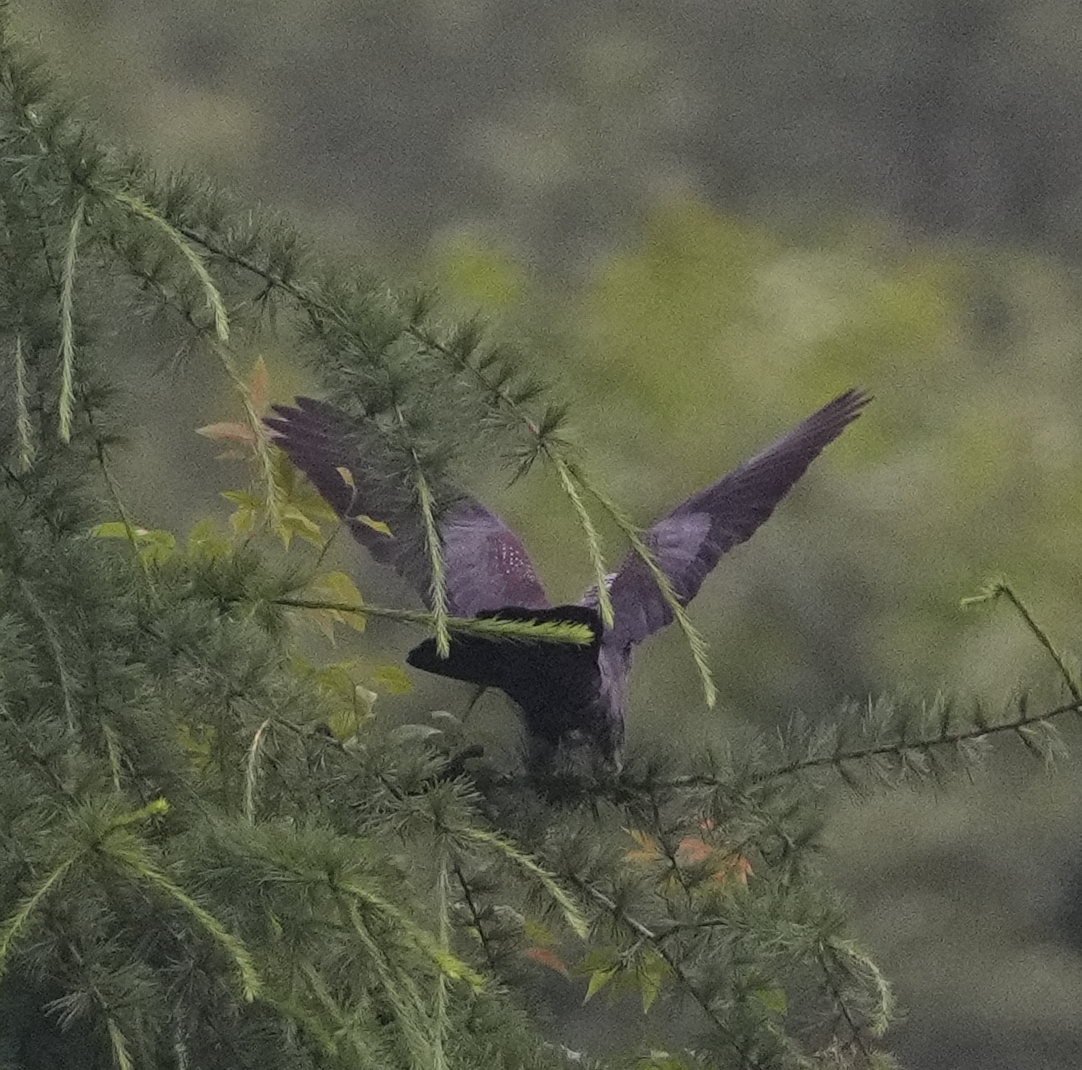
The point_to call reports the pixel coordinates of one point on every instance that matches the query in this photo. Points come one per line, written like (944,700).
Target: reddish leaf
(258,388)
(692,850)
(546,958)
(228,432)
(648,850)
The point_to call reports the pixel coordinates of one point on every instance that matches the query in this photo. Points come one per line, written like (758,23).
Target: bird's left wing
(690,541)
(486,564)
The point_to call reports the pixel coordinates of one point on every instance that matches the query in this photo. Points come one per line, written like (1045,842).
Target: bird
(568,694)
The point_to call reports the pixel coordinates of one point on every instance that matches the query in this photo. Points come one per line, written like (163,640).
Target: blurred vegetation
(566,121)
(711,218)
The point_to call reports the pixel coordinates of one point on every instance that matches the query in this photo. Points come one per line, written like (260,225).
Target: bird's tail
(551,681)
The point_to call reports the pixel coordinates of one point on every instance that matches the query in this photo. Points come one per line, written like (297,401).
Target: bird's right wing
(486,564)
(690,541)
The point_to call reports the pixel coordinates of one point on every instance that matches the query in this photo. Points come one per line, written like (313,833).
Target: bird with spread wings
(566,692)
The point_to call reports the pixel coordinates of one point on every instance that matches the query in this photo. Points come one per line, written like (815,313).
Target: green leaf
(537,932)
(294,521)
(375,525)
(204,541)
(112,529)
(244,498)
(651,971)
(391,679)
(598,980)
(774,999)
(347,721)
(154,545)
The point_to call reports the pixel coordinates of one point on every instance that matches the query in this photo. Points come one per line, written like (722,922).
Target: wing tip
(852,400)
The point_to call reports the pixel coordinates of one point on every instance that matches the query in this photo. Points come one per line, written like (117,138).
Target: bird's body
(565,692)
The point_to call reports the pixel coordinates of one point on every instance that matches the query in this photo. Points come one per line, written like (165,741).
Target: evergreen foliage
(211,854)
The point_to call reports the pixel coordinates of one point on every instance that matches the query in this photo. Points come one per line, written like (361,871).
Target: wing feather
(690,541)
(486,564)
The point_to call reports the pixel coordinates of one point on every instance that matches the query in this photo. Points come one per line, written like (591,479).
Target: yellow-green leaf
(537,932)
(598,980)
(154,545)
(392,679)
(337,587)
(113,529)
(292,521)
(651,970)
(347,721)
(244,498)
(774,999)
(375,525)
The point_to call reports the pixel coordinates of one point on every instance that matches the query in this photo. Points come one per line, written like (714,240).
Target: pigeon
(569,694)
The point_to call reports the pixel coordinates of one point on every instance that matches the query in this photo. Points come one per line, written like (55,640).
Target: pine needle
(593,539)
(568,907)
(691,633)
(545,631)
(992,590)
(251,771)
(67,324)
(186,250)
(23,428)
(438,588)
(19,920)
(120,1045)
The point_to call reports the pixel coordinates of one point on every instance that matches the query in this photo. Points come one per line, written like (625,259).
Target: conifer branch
(113,486)
(400,989)
(251,771)
(23,428)
(440,1023)
(438,587)
(546,444)
(213,297)
(475,915)
(838,951)
(494,627)
(56,649)
(131,855)
(260,437)
(341,1020)
(445,961)
(570,474)
(13,927)
(67,324)
(593,539)
(314,305)
(695,641)
(656,942)
(567,906)
(1000,587)
(902,747)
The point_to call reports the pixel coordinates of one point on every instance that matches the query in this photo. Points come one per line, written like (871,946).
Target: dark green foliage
(204,861)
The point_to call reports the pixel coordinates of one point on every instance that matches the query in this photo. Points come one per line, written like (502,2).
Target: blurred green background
(709,218)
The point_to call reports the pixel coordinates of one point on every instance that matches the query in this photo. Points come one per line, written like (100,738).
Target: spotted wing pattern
(485,562)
